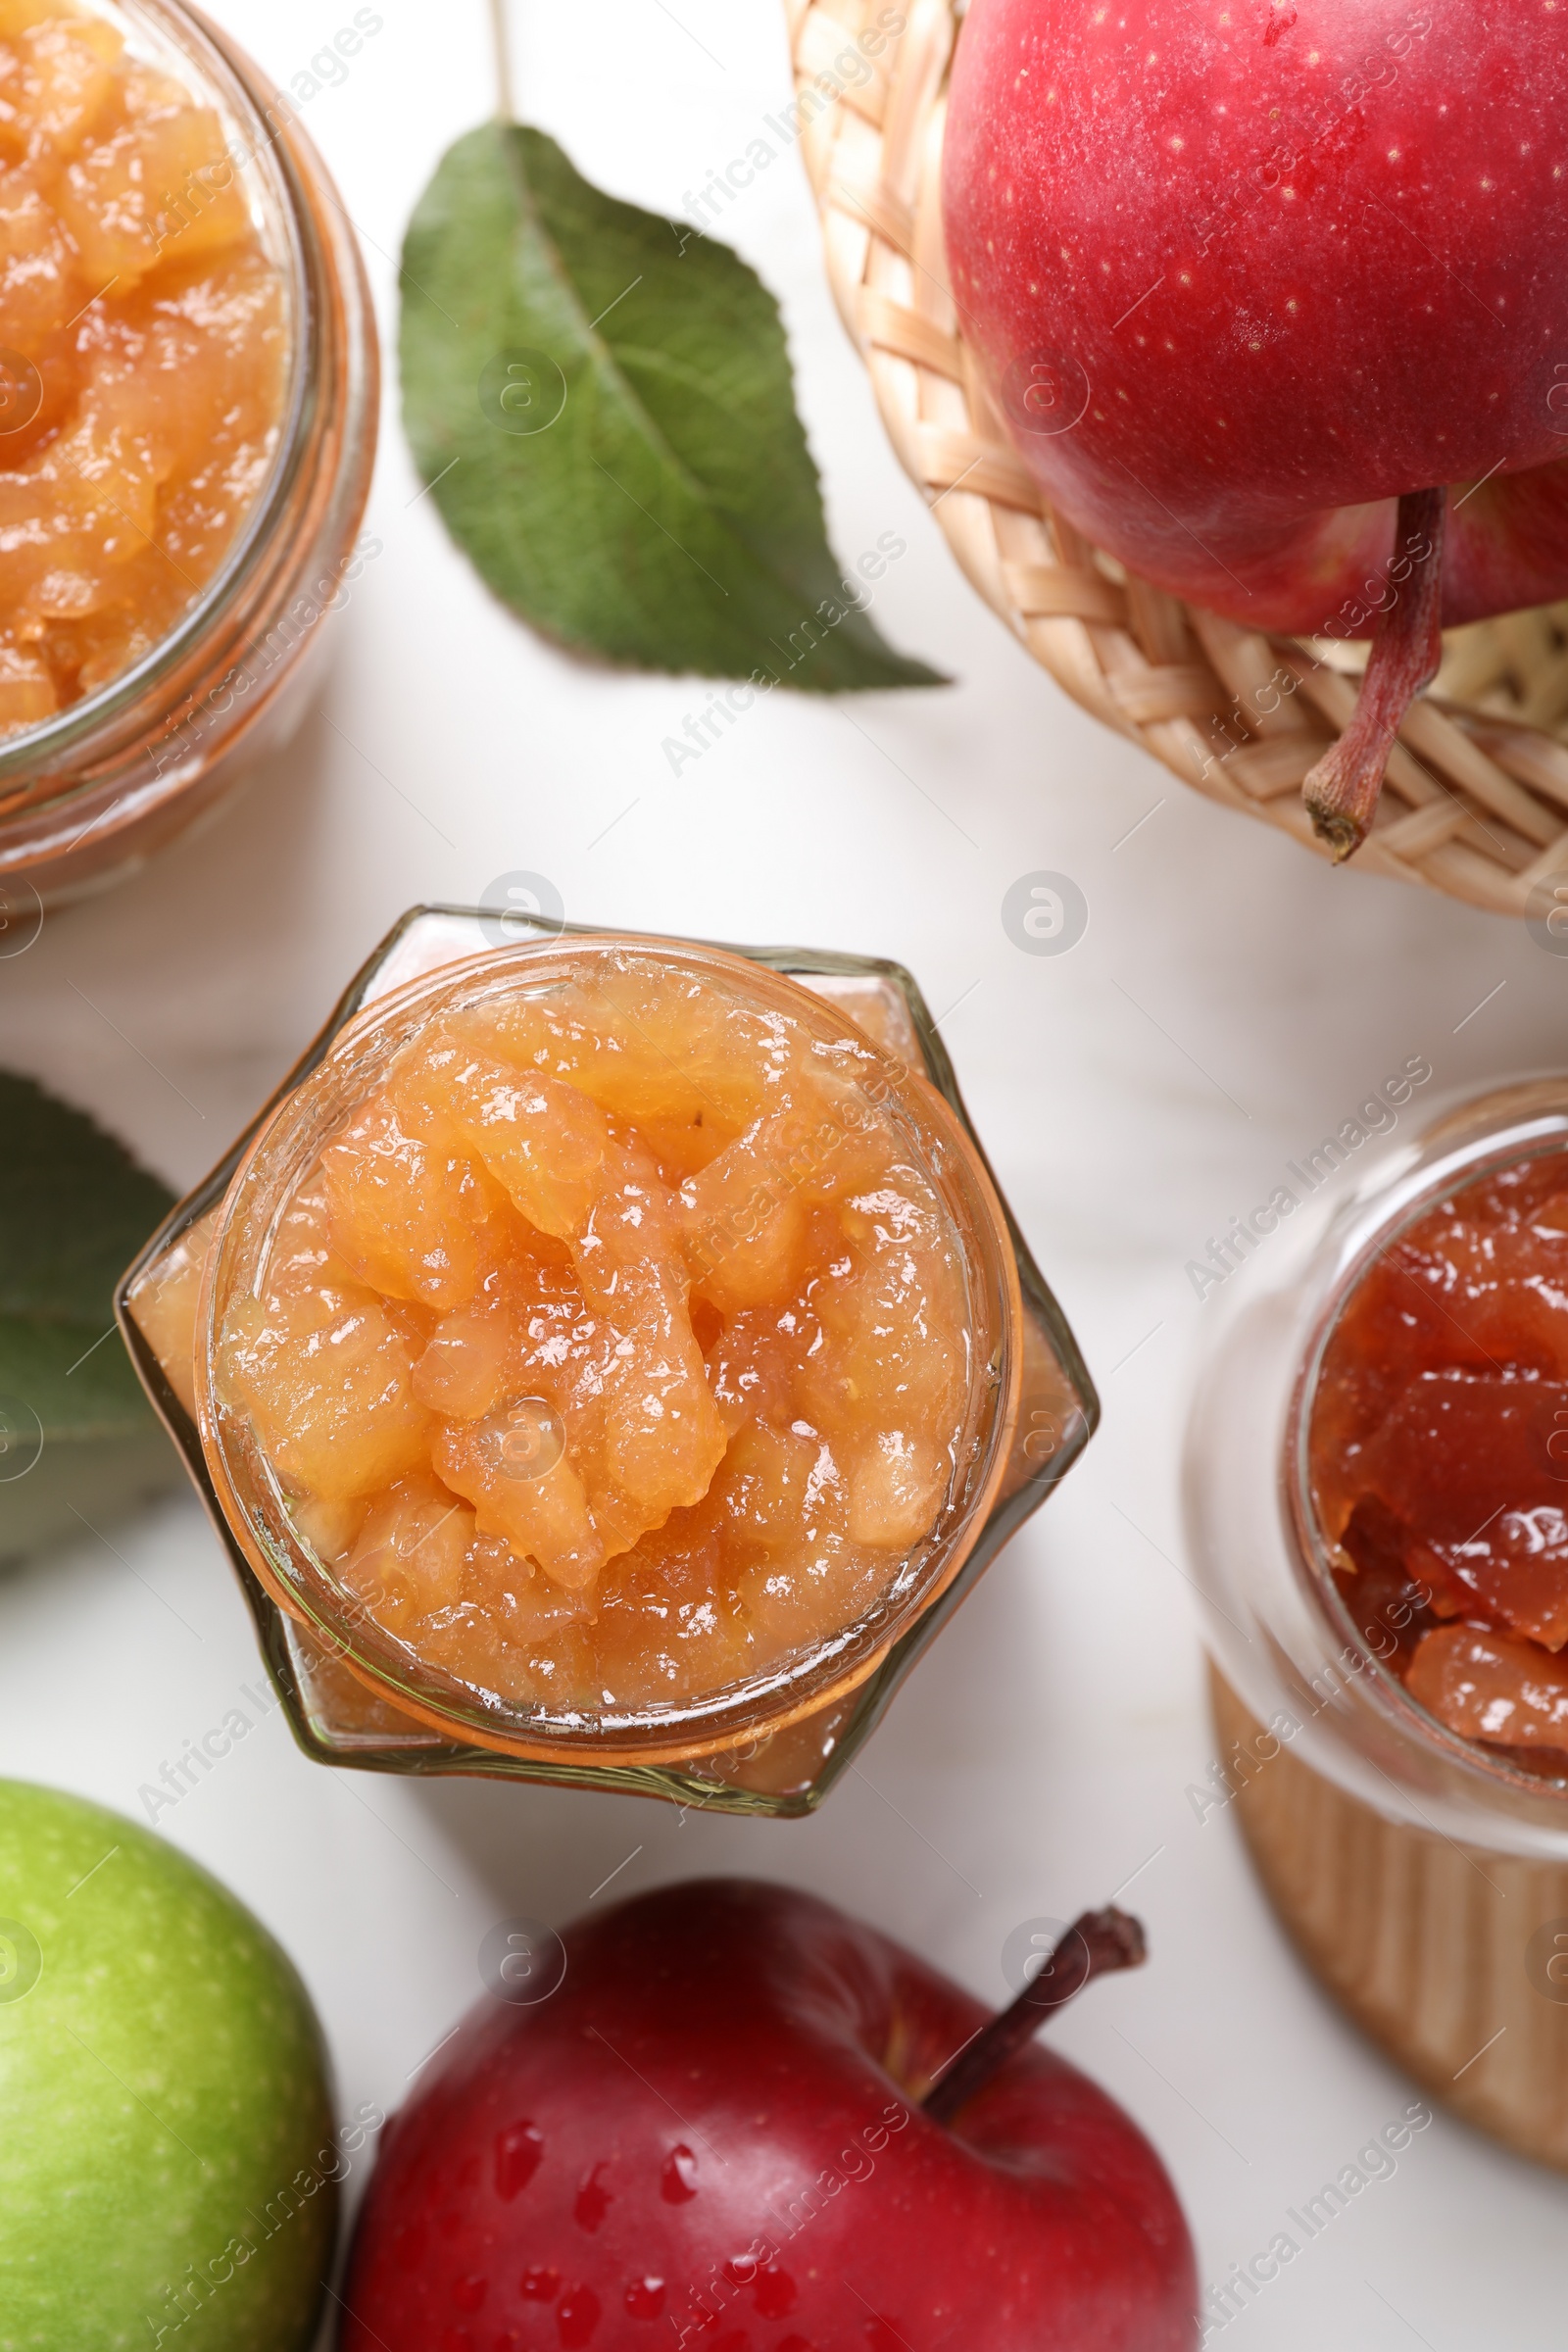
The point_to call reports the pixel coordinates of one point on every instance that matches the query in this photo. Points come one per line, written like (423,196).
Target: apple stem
(1341,791)
(1096,1945)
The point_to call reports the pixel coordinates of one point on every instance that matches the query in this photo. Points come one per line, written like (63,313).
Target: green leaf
(77,1439)
(639,487)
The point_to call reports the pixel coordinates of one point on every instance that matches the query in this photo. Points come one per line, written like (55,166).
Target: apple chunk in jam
(1438,1459)
(616,1348)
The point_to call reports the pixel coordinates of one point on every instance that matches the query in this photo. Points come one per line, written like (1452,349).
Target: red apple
(712,2137)
(1241,276)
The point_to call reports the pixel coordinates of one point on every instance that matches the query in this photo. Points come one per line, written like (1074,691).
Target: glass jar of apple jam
(608,1356)
(187,423)
(1378,1517)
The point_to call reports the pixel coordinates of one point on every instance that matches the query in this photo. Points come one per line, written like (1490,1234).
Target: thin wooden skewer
(506,112)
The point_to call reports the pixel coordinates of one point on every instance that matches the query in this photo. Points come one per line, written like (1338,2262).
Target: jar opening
(723,1226)
(1426,1466)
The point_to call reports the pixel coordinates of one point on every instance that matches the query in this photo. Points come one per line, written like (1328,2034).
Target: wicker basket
(1476,800)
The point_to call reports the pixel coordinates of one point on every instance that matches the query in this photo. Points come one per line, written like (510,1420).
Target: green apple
(169,2165)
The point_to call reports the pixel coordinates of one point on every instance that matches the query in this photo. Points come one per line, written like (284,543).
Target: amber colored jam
(1438,1452)
(617,1347)
(142,354)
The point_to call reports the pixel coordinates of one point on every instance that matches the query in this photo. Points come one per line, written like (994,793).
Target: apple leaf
(78,1437)
(603,406)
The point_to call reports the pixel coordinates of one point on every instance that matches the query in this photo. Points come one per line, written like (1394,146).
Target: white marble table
(1230,1000)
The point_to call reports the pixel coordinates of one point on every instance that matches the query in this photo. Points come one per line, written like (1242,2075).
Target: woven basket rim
(1476,799)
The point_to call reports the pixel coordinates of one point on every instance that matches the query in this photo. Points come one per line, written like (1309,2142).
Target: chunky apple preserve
(616,1348)
(1438,1459)
(143,350)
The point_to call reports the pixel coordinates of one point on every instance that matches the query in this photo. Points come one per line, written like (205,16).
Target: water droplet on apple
(577,2316)
(678,2180)
(539,2282)
(518,2150)
(776,2295)
(593,2200)
(645,2298)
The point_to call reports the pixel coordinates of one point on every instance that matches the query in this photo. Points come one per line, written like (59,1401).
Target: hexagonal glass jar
(350,1697)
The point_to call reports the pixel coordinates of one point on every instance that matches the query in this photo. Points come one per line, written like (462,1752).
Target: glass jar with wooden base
(188,398)
(1385,1675)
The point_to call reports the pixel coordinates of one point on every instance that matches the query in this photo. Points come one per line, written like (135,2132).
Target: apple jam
(1437,1454)
(143,352)
(615,1347)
